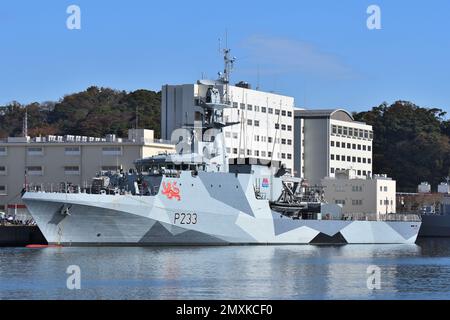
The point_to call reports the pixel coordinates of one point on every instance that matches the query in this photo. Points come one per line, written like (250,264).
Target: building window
(269,154)
(289,142)
(277,112)
(342,202)
(345,131)
(349,159)
(257,153)
(359,147)
(283,113)
(257,108)
(277,126)
(72,151)
(3,171)
(249,107)
(369,148)
(338,157)
(353,159)
(270,110)
(235,151)
(332,170)
(242,151)
(359,172)
(112,151)
(338,144)
(332,143)
(35,151)
(3,151)
(349,146)
(371,135)
(249,122)
(289,156)
(263,109)
(350,132)
(289,113)
(249,152)
(235,135)
(339,130)
(235,104)
(283,141)
(228,150)
(242,106)
(3,190)
(269,139)
(385,189)
(354,146)
(289,128)
(263,153)
(364,160)
(369,160)
(72,170)
(357,202)
(227,134)
(359,159)
(256,123)
(110,168)
(334,129)
(283,127)
(283,156)
(257,138)
(332,157)
(35,171)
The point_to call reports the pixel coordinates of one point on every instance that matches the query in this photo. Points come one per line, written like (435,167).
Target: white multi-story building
(370,196)
(72,159)
(265,121)
(330,140)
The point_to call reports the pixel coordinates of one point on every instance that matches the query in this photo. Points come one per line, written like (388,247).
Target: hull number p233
(185,218)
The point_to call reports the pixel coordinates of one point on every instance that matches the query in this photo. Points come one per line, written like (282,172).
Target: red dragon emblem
(171,191)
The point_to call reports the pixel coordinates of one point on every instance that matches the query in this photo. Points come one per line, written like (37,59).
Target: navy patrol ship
(198,196)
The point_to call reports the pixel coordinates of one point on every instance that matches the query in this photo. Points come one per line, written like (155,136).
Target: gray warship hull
(200,210)
(435,226)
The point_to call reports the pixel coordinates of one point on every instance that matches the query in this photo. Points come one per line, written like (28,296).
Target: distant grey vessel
(437,223)
(198,196)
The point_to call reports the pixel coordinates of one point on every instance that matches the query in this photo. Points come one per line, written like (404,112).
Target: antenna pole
(25,124)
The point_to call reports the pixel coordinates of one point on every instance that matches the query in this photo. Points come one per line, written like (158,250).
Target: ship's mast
(225,76)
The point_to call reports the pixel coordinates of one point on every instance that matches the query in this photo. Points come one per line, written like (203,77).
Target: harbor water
(419,271)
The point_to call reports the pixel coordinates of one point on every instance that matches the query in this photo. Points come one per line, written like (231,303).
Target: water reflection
(253,272)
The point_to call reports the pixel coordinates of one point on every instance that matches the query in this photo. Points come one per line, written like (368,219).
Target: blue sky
(320,52)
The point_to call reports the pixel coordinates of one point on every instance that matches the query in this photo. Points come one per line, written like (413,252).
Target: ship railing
(58,188)
(381,217)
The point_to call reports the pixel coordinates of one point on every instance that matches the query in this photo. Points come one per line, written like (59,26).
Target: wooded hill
(94,112)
